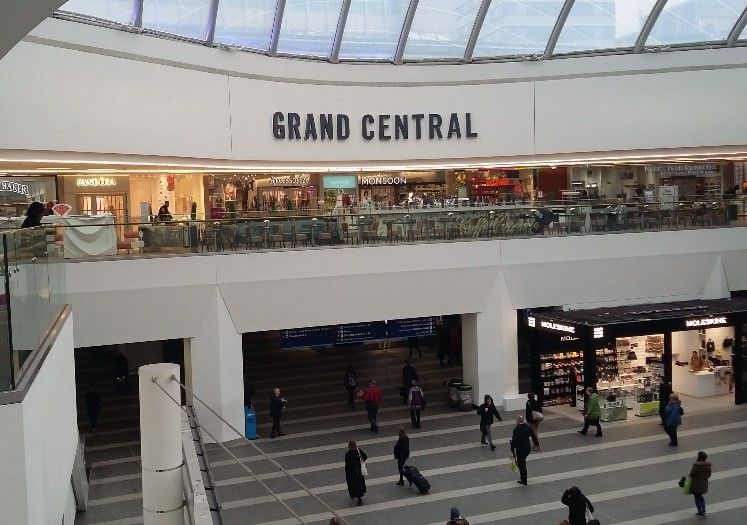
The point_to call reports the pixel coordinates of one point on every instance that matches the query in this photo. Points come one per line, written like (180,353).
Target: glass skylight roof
(455,30)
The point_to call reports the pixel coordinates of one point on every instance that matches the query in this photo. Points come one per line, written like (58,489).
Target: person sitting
(33,215)
(164,214)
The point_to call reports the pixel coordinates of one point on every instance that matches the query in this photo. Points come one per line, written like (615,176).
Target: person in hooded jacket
(487,411)
(455,517)
(409,374)
(673,415)
(577,504)
(401,453)
(700,473)
(353,474)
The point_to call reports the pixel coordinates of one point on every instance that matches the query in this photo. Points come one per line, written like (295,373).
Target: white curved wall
(76,88)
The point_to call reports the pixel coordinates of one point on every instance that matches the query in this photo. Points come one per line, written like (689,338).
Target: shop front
(491,186)
(296,192)
(17,192)
(625,352)
(340,191)
(94,195)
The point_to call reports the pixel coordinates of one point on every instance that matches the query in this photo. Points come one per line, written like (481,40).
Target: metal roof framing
(559,23)
(334,56)
(648,25)
(212,17)
(137,13)
(736,31)
(406,25)
(276,24)
(476,28)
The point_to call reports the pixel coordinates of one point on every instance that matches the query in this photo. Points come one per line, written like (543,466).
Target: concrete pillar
(216,364)
(161,446)
(490,347)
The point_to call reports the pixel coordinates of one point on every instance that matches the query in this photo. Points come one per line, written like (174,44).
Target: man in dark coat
(409,374)
(93,405)
(577,504)
(277,404)
(353,473)
(521,447)
(665,390)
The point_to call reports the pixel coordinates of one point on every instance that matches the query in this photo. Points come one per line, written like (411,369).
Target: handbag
(590,519)
(364,470)
(632,356)
(537,416)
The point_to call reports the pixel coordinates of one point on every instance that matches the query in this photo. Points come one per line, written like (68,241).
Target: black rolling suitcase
(414,477)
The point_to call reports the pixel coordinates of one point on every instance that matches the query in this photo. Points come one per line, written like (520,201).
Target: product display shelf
(554,373)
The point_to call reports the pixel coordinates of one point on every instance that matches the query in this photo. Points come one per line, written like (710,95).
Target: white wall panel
(666,110)
(65,100)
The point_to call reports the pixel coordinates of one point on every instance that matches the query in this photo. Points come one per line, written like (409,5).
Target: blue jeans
(699,502)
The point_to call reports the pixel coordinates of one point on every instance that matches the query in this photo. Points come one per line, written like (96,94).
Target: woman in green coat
(593,413)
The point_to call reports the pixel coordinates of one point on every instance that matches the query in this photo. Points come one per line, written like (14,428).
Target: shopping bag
(686,485)
(590,518)
(514,466)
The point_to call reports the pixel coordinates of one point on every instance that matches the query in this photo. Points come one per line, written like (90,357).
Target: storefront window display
(413,188)
(494,186)
(180,189)
(339,191)
(98,195)
(295,192)
(626,353)
(16,192)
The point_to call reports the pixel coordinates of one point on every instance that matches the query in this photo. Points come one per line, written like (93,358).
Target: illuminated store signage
(15,187)
(598,332)
(568,338)
(557,326)
(96,182)
(290,180)
(708,321)
(531,321)
(367,180)
(328,126)
(683,169)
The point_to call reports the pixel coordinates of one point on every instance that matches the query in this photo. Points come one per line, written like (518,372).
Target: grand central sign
(384,127)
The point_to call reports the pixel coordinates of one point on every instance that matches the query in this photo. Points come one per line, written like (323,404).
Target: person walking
(354,457)
(593,413)
(443,343)
(277,404)
(533,412)
(577,504)
(521,446)
(487,411)
(414,344)
(372,399)
(665,390)
(455,517)
(573,384)
(409,374)
(673,419)
(350,383)
(416,400)
(700,473)
(93,406)
(401,453)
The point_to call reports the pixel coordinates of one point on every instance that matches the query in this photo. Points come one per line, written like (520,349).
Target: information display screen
(357,332)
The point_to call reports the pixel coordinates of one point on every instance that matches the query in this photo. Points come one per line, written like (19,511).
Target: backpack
(417,397)
(349,380)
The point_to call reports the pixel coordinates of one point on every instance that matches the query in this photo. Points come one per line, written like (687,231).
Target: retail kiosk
(623,352)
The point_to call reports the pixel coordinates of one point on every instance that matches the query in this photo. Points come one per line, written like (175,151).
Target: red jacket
(372,395)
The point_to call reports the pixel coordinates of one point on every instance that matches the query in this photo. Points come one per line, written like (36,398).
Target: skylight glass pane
(119,11)
(517,27)
(372,29)
(179,17)
(246,23)
(688,21)
(441,29)
(603,24)
(309,27)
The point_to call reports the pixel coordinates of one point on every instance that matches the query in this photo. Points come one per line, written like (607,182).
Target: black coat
(277,404)
(487,412)
(408,374)
(577,504)
(520,439)
(402,449)
(356,481)
(665,390)
(532,405)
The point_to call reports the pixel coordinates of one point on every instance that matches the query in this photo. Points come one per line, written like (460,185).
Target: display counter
(695,384)
(613,410)
(84,236)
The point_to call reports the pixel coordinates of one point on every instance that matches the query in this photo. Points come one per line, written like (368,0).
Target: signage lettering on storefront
(683,169)
(367,180)
(290,180)
(598,332)
(557,326)
(15,187)
(96,182)
(568,338)
(708,321)
(327,126)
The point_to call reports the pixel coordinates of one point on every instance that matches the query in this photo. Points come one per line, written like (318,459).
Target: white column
(160,446)
(217,371)
(490,347)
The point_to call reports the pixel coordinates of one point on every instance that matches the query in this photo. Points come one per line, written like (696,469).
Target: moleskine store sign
(328,126)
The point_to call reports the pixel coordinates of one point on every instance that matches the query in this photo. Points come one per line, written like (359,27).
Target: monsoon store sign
(380,127)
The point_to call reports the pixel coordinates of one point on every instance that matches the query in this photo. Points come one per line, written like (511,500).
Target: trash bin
(250,423)
(464,393)
(732,212)
(452,384)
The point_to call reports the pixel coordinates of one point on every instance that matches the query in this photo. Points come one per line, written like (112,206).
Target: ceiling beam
(736,31)
(334,56)
(137,13)
(559,23)
(648,25)
(405,33)
(476,27)
(212,18)
(276,24)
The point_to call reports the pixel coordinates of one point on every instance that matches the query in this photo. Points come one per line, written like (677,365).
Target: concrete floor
(630,474)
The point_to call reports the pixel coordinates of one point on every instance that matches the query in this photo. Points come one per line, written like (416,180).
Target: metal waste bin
(453,384)
(732,212)
(464,393)
(250,423)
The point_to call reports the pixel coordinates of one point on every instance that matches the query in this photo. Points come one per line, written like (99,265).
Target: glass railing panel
(6,361)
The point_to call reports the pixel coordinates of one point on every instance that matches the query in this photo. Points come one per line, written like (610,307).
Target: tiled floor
(630,474)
